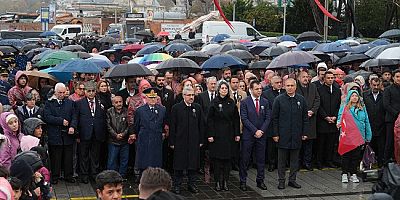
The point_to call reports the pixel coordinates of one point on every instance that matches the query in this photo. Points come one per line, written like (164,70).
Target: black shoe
(84,180)
(225,186)
(243,186)
(54,181)
(193,188)
(262,186)
(217,186)
(281,185)
(70,180)
(294,184)
(330,165)
(308,167)
(271,168)
(318,165)
(177,190)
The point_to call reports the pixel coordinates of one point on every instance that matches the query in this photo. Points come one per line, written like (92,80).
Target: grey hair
(187,89)
(211,78)
(59,86)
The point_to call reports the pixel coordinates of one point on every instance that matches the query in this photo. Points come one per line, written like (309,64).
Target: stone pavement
(317,184)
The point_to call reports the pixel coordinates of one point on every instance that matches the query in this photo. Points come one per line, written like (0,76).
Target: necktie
(212,95)
(235,97)
(152,109)
(92,107)
(257,107)
(30,113)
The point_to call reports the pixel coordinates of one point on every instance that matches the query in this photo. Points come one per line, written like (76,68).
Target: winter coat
(186,134)
(223,125)
(290,120)
(310,94)
(270,94)
(391,102)
(360,117)
(117,123)
(16,94)
(11,145)
(329,107)
(376,111)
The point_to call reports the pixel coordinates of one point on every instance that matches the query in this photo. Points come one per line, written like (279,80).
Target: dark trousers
(350,161)
(61,154)
(378,145)
(325,146)
(259,145)
(89,157)
(389,147)
(179,177)
(272,152)
(306,152)
(222,167)
(294,163)
(167,156)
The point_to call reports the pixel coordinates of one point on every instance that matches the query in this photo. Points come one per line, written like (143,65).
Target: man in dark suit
(327,133)
(60,118)
(205,99)
(129,91)
(391,102)
(92,131)
(256,116)
(373,99)
(290,117)
(29,109)
(270,94)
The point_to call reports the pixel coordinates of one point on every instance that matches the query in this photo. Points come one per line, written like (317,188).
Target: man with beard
(16,95)
(167,100)
(373,99)
(310,94)
(226,74)
(186,138)
(129,91)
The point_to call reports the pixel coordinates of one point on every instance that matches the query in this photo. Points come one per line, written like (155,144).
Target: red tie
(257,107)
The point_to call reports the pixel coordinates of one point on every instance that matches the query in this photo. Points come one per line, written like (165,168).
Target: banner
(325,11)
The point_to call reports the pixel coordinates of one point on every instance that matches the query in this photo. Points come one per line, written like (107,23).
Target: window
(251,32)
(74,30)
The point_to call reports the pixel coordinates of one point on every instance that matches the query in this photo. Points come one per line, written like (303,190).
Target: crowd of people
(192,124)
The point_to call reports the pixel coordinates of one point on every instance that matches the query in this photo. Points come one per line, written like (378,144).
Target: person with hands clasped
(255,115)
(223,131)
(291,126)
(353,111)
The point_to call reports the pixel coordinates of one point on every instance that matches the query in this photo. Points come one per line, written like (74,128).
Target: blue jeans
(118,153)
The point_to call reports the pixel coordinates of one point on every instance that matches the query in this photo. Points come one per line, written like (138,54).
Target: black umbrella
(325,56)
(177,41)
(29,47)
(391,34)
(30,54)
(196,56)
(379,63)
(178,47)
(148,49)
(362,73)
(183,65)
(352,58)
(231,45)
(8,49)
(259,64)
(108,39)
(274,51)
(260,46)
(143,33)
(131,40)
(195,42)
(128,70)
(309,36)
(242,54)
(74,48)
(375,51)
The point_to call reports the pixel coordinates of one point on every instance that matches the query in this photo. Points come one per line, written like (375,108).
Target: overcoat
(310,94)
(148,127)
(329,106)
(186,134)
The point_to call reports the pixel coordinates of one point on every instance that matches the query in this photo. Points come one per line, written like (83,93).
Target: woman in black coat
(104,94)
(223,132)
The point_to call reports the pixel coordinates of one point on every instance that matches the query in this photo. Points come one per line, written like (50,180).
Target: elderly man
(149,132)
(290,117)
(61,124)
(117,126)
(310,93)
(186,137)
(91,116)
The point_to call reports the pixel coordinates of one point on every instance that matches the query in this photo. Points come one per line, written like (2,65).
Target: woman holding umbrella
(223,132)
